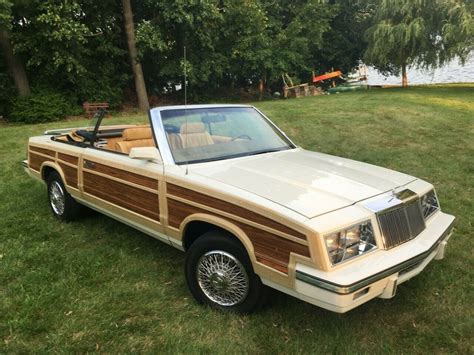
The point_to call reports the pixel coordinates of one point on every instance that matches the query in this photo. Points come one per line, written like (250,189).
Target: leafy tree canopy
(5,14)
(79,48)
(424,33)
(72,47)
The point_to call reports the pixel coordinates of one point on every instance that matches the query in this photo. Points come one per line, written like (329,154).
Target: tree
(269,39)
(164,28)
(140,87)
(423,33)
(344,43)
(75,48)
(230,44)
(14,63)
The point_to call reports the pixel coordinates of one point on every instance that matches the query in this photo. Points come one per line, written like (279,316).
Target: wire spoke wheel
(222,278)
(57,198)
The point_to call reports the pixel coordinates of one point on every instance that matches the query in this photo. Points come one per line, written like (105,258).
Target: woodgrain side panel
(178,211)
(36,160)
(270,249)
(70,174)
(42,151)
(129,197)
(124,175)
(230,208)
(68,158)
(273,250)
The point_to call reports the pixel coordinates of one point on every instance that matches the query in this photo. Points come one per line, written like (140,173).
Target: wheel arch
(49,167)
(197,224)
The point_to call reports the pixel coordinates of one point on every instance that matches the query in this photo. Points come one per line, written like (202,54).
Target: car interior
(123,139)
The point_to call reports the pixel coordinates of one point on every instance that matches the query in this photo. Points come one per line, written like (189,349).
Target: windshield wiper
(264,151)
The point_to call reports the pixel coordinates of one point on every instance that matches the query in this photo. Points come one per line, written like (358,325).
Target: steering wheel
(244,136)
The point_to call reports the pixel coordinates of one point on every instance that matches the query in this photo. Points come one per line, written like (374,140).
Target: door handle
(89,164)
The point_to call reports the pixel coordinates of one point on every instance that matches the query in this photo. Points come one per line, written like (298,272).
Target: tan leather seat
(135,137)
(194,135)
(174,141)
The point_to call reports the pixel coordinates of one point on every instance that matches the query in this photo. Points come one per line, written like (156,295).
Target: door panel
(129,186)
(132,198)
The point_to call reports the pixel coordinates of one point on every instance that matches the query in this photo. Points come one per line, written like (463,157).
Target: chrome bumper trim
(347,289)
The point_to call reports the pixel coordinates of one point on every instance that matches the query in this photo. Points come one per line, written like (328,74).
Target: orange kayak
(326,76)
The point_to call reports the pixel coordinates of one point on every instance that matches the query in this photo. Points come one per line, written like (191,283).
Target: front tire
(219,274)
(63,206)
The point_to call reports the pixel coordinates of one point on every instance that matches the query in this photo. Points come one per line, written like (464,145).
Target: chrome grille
(400,224)
(415,218)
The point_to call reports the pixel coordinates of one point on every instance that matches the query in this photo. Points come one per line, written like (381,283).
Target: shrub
(94,90)
(40,107)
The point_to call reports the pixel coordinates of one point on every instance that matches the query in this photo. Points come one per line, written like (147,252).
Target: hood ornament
(394,195)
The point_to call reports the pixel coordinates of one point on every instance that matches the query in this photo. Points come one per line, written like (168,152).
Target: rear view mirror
(146,153)
(213,118)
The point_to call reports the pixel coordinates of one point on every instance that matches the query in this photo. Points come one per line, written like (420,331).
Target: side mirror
(146,153)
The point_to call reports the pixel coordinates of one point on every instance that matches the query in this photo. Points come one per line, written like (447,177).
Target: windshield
(208,134)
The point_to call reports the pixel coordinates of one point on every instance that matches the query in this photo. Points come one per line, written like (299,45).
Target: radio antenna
(185,104)
(185,79)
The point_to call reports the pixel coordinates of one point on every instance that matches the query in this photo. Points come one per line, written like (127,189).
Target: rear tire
(219,274)
(63,206)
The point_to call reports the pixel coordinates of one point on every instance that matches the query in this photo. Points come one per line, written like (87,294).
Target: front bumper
(24,164)
(358,283)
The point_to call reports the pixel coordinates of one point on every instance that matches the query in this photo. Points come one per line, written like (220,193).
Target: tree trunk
(140,87)
(260,89)
(404,75)
(14,65)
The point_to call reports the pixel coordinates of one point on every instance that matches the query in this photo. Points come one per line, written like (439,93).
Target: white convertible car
(249,207)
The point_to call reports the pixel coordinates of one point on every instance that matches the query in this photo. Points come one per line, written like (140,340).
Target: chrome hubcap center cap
(219,282)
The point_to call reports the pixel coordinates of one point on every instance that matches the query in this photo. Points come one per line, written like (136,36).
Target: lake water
(452,72)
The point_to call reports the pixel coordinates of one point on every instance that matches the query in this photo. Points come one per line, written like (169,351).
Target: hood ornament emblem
(394,195)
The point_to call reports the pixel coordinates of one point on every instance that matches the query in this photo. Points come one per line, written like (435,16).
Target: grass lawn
(96,284)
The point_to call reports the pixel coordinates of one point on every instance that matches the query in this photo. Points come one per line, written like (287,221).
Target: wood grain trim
(70,174)
(124,175)
(141,187)
(35,161)
(49,152)
(270,249)
(142,202)
(239,219)
(230,208)
(270,263)
(68,158)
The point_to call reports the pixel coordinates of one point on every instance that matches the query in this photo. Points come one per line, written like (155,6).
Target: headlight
(429,204)
(350,242)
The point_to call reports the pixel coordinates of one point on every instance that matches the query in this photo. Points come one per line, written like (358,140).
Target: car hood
(306,182)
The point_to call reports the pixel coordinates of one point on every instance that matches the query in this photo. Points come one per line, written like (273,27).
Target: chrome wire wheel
(222,278)
(57,198)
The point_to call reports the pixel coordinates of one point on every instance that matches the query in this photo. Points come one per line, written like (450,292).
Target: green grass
(98,285)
